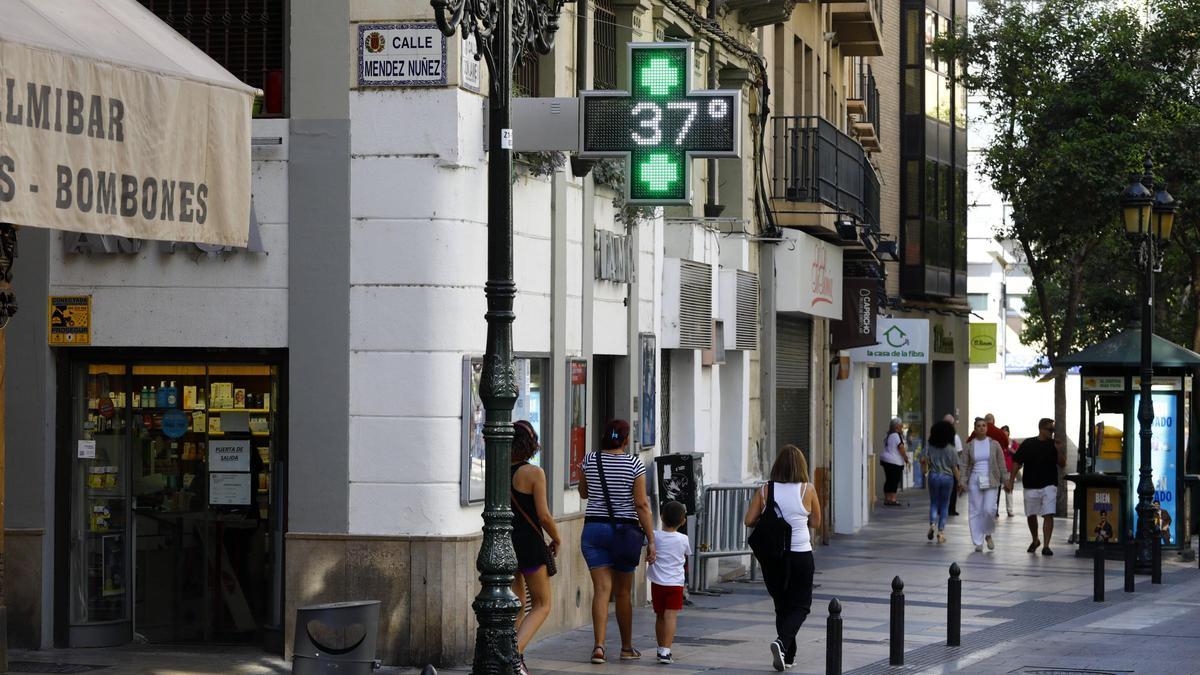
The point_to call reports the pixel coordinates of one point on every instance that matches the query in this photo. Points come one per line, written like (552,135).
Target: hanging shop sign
(614,257)
(898,341)
(860,307)
(983,343)
(401,55)
(471,64)
(943,339)
(808,276)
(661,125)
(648,389)
(126,144)
(70,318)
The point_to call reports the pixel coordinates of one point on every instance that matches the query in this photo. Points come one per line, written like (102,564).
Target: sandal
(598,655)
(630,654)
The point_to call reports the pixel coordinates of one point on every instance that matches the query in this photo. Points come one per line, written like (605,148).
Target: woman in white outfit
(983,472)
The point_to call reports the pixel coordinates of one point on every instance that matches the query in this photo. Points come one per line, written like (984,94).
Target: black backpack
(772,537)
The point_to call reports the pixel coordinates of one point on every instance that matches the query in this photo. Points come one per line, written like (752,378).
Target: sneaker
(1047,551)
(789,665)
(941,538)
(930,535)
(518,665)
(665,657)
(990,544)
(978,549)
(777,655)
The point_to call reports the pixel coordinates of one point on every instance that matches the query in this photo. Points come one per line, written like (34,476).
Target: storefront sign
(943,339)
(229,488)
(983,343)
(898,341)
(94,147)
(228,455)
(1160,381)
(1163,462)
(577,424)
(808,276)
(860,307)
(401,55)
(1103,383)
(648,390)
(75,243)
(175,424)
(614,257)
(70,320)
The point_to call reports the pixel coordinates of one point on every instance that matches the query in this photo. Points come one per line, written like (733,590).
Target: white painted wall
(154,299)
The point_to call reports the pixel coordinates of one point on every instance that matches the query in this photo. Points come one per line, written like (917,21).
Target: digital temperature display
(661,125)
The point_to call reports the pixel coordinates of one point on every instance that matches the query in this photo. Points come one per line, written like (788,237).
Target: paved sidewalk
(1022,613)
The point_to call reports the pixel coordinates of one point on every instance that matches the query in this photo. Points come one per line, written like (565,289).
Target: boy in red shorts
(666,575)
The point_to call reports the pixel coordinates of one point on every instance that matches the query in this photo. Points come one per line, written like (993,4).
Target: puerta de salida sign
(661,125)
(898,341)
(401,55)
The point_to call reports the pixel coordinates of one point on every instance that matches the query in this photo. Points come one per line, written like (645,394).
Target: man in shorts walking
(1041,457)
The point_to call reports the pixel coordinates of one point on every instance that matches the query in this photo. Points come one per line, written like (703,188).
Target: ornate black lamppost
(503,31)
(1148,217)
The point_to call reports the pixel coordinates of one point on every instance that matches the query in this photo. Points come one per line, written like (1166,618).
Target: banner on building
(808,276)
(898,341)
(983,343)
(860,307)
(90,146)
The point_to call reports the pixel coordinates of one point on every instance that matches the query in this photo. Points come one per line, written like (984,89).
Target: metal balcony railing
(816,162)
(862,88)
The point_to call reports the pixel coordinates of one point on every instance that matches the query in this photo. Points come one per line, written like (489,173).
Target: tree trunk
(1195,260)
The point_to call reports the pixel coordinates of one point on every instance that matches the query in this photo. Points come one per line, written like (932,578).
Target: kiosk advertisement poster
(1103,514)
(577,409)
(1163,454)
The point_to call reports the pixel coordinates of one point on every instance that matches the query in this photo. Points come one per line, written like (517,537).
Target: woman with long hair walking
(941,462)
(616,524)
(531,519)
(983,470)
(790,580)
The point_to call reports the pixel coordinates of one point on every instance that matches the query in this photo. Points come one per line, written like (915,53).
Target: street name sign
(661,125)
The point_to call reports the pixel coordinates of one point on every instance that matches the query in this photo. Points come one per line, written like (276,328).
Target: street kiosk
(1106,476)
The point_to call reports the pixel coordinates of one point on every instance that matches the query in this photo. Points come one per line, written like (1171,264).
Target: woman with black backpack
(781,513)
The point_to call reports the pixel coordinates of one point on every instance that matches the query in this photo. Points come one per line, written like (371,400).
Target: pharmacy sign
(661,125)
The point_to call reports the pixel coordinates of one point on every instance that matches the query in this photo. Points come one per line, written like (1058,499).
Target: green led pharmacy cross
(661,125)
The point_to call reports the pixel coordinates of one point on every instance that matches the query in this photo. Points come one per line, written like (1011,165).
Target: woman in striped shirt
(616,524)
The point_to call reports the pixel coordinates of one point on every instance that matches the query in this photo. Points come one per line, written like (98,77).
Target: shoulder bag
(551,563)
(627,538)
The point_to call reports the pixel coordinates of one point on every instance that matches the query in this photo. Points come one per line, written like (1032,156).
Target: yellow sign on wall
(983,343)
(70,320)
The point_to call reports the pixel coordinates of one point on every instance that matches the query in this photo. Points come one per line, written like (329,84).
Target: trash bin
(338,637)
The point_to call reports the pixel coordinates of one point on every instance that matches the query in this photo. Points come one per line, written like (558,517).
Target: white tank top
(790,498)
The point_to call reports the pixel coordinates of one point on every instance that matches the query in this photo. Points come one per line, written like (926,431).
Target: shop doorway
(943,390)
(793,384)
(175,502)
(604,405)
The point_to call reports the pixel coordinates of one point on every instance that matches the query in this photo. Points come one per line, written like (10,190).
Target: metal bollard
(1098,573)
(1156,559)
(833,639)
(1130,562)
(896,640)
(954,608)
(429,670)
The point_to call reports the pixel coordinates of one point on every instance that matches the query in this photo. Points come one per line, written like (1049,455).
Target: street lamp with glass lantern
(1148,216)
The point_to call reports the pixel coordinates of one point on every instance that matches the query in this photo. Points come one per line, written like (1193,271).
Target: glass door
(99,534)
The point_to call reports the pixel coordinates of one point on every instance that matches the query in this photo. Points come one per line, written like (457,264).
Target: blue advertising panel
(1164,454)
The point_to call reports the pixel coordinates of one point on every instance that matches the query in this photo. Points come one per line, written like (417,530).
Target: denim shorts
(619,548)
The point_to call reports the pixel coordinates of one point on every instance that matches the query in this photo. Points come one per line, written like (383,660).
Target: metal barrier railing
(720,529)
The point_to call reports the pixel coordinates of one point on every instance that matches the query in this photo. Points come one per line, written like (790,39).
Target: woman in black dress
(529,504)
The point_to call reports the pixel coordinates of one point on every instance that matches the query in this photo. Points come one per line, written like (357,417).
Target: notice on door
(70,319)
(401,55)
(229,488)
(228,455)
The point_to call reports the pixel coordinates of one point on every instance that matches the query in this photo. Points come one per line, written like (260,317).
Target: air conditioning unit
(687,304)
(738,309)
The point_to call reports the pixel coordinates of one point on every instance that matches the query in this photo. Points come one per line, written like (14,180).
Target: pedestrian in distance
(533,518)
(1009,450)
(1040,458)
(893,459)
(616,525)
(788,570)
(941,463)
(958,448)
(983,470)
(1000,435)
(666,576)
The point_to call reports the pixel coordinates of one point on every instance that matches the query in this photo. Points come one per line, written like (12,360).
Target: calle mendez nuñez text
(89,189)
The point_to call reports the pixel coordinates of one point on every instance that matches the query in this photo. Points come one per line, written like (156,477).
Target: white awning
(113,123)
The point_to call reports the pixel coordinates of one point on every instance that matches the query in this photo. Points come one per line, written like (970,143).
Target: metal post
(1145,415)
(954,608)
(833,639)
(1130,555)
(8,307)
(491,24)
(1098,573)
(896,639)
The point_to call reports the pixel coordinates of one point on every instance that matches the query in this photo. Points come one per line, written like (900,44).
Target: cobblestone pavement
(1022,613)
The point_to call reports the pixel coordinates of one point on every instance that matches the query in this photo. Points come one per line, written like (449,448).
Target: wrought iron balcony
(863,106)
(816,164)
(859,26)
